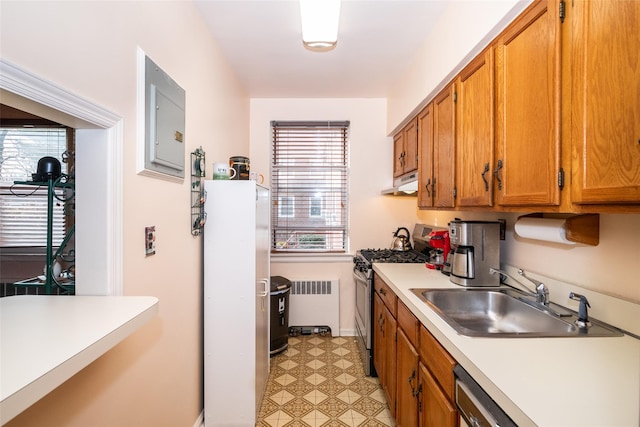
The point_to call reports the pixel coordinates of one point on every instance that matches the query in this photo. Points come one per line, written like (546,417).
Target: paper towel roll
(547,229)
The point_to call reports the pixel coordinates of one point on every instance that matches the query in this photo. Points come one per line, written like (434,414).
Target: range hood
(405,185)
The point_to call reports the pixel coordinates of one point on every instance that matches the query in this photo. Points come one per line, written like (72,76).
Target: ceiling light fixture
(320,24)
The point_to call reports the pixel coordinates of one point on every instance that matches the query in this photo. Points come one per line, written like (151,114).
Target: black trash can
(280,289)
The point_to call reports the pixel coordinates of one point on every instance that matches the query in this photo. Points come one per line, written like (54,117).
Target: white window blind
(309,184)
(23,208)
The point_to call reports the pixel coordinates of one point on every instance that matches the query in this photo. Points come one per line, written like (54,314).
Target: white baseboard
(200,421)
(347,332)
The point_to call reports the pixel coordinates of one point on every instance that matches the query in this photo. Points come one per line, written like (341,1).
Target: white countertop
(45,340)
(546,382)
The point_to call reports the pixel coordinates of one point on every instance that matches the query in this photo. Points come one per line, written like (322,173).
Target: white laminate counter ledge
(545,382)
(45,340)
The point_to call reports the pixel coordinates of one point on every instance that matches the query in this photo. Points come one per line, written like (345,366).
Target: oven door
(363,317)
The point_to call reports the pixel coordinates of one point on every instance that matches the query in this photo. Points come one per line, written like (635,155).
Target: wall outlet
(150,240)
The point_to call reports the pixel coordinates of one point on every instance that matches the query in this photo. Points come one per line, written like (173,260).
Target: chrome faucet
(541,292)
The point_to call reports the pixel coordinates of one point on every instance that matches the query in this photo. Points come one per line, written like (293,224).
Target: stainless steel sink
(505,312)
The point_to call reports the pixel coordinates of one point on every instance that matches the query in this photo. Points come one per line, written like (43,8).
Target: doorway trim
(100,247)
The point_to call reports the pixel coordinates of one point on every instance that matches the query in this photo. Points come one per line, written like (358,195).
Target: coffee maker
(441,246)
(432,241)
(475,248)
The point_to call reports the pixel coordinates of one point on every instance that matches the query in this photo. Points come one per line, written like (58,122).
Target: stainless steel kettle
(401,242)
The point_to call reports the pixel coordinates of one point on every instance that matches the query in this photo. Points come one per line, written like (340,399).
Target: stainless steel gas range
(363,276)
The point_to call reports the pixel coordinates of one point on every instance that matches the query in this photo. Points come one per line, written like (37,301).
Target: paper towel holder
(580,228)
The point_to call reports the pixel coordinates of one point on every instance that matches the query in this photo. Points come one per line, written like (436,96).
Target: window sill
(311,258)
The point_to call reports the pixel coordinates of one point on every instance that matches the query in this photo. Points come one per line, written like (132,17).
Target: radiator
(315,303)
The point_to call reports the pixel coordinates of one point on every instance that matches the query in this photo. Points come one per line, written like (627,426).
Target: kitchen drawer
(438,361)
(409,324)
(386,294)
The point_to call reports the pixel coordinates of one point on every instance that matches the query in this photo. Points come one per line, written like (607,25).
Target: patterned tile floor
(320,381)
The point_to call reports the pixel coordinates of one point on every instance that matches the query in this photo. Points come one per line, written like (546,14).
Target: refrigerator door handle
(265,290)
(264,293)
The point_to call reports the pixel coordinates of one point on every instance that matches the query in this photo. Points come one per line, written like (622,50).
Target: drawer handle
(414,391)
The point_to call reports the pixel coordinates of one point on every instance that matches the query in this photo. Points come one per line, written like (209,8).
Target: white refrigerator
(236,301)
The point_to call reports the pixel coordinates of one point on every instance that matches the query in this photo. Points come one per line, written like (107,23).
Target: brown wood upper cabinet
(405,149)
(546,118)
(436,141)
(528,109)
(475,132)
(605,90)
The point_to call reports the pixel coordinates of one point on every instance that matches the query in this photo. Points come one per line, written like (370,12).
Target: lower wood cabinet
(436,409)
(384,350)
(415,371)
(407,357)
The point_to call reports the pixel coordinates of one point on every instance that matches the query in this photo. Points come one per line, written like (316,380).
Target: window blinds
(23,208)
(309,186)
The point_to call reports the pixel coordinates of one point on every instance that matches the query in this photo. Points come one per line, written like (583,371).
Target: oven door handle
(360,276)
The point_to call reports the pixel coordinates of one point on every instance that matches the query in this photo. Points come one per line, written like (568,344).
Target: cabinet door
(425,149)
(407,383)
(384,350)
(378,338)
(528,71)
(474,133)
(411,146)
(444,148)
(435,409)
(390,328)
(398,154)
(606,101)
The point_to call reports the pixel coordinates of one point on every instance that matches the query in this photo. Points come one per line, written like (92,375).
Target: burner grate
(390,256)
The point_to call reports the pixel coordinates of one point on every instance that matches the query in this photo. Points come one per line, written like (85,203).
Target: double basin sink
(505,312)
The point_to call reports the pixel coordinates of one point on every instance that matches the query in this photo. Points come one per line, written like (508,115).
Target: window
(23,208)
(285,207)
(309,186)
(315,206)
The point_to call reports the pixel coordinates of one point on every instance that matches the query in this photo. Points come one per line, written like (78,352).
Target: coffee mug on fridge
(257,177)
(223,171)
(241,165)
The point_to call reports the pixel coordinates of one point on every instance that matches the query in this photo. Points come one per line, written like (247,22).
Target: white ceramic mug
(255,176)
(223,171)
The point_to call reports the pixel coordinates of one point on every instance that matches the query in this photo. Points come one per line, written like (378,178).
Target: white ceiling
(377,39)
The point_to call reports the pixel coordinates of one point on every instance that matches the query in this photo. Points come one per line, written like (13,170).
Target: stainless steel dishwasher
(475,406)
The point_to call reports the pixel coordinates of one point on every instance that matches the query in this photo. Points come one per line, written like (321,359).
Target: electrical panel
(164,122)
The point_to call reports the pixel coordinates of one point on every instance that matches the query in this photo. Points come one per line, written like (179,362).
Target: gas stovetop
(391,256)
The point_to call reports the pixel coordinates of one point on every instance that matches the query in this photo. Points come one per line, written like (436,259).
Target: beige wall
(154,378)
(462,31)
(372,217)
(610,268)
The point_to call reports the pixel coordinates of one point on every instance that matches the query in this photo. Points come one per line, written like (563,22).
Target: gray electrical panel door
(165,122)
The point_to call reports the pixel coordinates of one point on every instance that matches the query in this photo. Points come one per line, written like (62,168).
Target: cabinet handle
(495,174)
(427,187)
(414,392)
(484,172)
